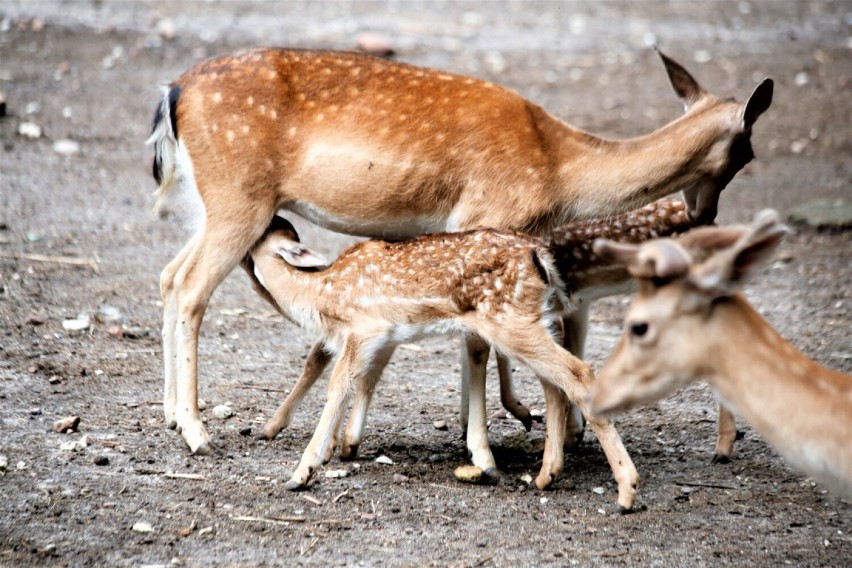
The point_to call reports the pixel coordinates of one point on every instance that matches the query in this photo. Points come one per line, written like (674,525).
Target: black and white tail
(164,138)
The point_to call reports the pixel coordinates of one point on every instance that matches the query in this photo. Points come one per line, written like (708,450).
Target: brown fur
(370,147)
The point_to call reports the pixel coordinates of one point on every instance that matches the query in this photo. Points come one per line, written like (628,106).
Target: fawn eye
(638,329)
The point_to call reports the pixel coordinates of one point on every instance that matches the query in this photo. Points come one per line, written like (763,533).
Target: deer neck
(762,377)
(600,176)
(295,292)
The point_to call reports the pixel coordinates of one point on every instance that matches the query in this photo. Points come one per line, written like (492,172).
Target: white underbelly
(376,227)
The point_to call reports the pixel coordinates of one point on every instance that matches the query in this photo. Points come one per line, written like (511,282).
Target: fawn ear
(615,252)
(300,256)
(728,270)
(757,103)
(684,84)
(656,259)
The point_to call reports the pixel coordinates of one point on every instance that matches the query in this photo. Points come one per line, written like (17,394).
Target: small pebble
(34,320)
(67,424)
(374,44)
(223,411)
(29,130)
(142,527)
(468,474)
(4,463)
(440,424)
(599,490)
(79,324)
(384,460)
(399,478)
(66,147)
(245,431)
(336,473)
(101,460)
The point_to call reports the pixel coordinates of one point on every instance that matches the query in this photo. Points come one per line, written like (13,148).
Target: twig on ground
(264,389)
(339,496)
(713,485)
(312,499)
(75,261)
(192,476)
(271,520)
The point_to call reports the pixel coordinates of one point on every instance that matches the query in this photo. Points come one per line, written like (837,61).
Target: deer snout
(702,203)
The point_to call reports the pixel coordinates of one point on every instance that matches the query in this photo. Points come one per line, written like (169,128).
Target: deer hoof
(721,458)
(294,485)
(491,476)
(349,453)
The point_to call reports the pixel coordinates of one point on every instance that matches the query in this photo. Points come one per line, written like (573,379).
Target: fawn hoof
(622,510)
(491,476)
(739,435)
(205,449)
(543,481)
(294,485)
(721,458)
(349,453)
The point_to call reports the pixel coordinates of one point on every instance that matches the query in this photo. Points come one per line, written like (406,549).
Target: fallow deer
(587,277)
(371,147)
(499,285)
(688,321)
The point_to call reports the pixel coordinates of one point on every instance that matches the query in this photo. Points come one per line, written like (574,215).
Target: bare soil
(88,71)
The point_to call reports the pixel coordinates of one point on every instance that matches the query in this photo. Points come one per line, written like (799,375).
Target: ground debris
(468,474)
(223,411)
(142,527)
(66,425)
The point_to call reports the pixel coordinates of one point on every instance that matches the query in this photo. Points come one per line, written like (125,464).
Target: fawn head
(282,240)
(667,335)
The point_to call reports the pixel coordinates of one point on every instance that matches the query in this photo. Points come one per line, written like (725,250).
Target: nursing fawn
(501,286)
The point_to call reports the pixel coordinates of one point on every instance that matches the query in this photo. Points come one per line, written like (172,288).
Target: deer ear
(300,256)
(685,86)
(728,270)
(702,242)
(757,103)
(614,252)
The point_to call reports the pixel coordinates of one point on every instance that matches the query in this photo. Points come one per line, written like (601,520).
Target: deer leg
(553,459)
(477,431)
(348,368)
(726,436)
(363,396)
(576,327)
(220,246)
(508,397)
(167,285)
(532,344)
(318,359)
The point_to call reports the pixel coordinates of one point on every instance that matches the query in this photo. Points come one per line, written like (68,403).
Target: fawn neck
(586,275)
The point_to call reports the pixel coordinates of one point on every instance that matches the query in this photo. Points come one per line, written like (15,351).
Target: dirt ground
(88,72)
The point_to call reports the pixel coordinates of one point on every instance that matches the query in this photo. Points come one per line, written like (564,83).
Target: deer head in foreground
(688,321)
(381,149)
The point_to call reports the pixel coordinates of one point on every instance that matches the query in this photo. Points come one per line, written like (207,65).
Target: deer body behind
(369,147)
(500,286)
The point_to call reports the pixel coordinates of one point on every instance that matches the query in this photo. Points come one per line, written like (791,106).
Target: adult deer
(382,149)
(687,321)
(501,286)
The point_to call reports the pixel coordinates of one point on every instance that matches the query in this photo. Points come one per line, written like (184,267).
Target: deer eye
(638,329)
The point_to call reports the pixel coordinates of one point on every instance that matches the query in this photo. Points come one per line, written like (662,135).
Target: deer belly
(384,226)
